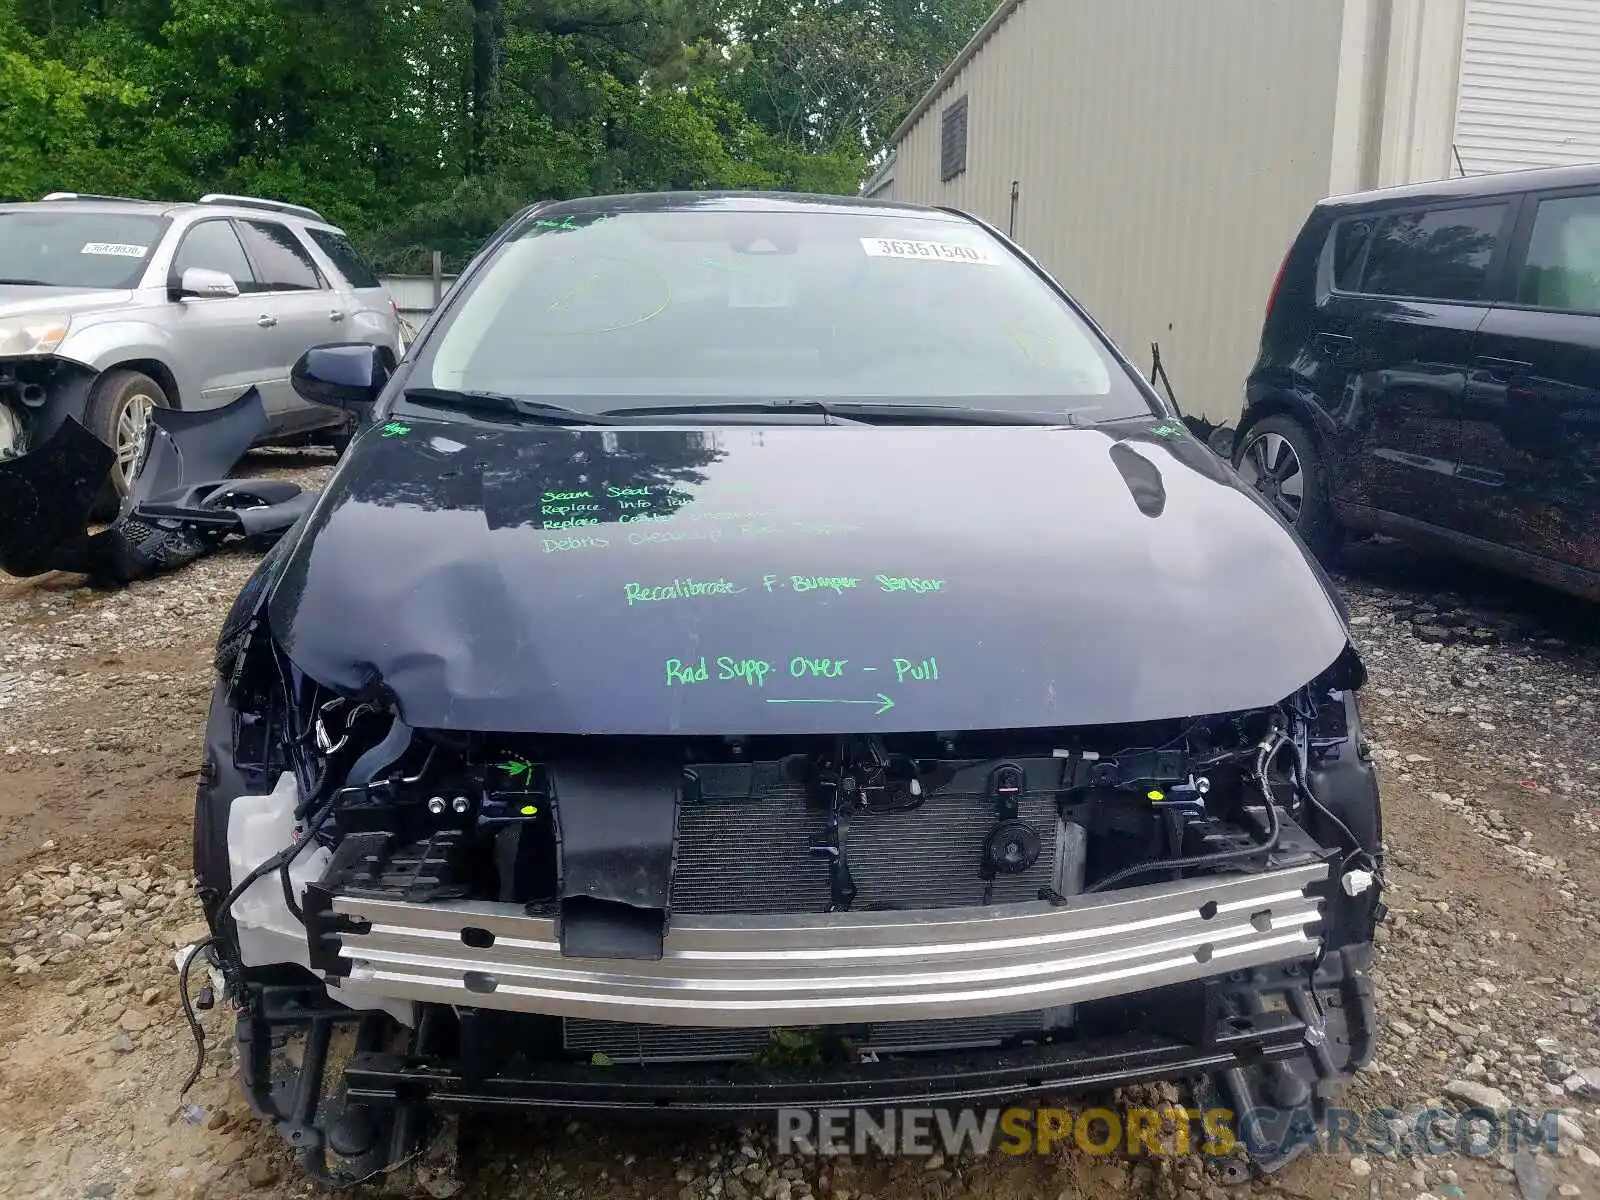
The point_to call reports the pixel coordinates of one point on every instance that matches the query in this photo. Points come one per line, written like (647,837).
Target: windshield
(76,249)
(607,311)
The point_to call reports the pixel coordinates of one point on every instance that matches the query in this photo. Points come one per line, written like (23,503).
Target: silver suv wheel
(120,404)
(132,419)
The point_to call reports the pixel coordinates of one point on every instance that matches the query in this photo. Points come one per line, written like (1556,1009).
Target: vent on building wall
(953,141)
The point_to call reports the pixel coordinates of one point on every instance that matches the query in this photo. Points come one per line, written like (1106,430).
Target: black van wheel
(1278,458)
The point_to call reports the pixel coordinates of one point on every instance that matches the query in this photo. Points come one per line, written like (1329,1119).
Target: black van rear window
(1350,240)
(1438,254)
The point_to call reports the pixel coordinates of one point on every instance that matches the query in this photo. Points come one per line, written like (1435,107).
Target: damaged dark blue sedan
(768,651)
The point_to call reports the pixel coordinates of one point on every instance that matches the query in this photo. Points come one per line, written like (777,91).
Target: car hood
(799,579)
(19,300)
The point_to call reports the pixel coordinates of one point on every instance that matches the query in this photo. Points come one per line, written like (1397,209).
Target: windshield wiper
(867,413)
(28,282)
(499,402)
(738,406)
(949,414)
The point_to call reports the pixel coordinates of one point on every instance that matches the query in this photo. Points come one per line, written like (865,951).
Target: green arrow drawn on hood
(883,702)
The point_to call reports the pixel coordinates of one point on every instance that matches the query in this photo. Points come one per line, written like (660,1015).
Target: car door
(1401,317)
(371,314)
(1531,425)
(227,343)
(308,311)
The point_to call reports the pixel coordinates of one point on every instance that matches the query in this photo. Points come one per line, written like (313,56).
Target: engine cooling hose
(385,753)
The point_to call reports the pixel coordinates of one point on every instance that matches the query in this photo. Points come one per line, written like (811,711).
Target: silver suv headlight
(33,334)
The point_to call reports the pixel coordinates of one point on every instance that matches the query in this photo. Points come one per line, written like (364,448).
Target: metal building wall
(413,296)
(1398,78)
(1166,152)
(1530,85)
(1263,105)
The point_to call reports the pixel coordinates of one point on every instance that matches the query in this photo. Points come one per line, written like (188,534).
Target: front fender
(99,347)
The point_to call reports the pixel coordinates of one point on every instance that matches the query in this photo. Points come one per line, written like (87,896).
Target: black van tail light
(1277,281)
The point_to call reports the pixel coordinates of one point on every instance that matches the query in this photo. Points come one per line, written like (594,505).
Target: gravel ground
(1484,708)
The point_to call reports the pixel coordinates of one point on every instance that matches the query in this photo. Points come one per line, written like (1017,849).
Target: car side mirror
(347,375)
(206,284)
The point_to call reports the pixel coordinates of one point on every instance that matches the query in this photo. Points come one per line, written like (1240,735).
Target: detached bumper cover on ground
(180,507)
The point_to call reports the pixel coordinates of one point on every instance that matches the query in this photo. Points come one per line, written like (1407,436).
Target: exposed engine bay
(817,824)
(531,917)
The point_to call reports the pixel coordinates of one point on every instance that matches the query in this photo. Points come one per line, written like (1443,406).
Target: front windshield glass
(713,306)
(76,249)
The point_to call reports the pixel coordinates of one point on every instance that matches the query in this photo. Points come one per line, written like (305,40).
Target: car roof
(154,208)
(735,201)
(1473,187)
(128,206)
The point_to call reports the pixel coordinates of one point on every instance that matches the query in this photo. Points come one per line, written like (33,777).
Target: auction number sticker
(929,251)
(116,249)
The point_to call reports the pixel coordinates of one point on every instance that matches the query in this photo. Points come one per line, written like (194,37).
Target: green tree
(60,121)
(425,124)
(838,75)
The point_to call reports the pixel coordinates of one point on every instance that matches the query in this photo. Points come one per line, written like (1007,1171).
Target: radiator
(752,855)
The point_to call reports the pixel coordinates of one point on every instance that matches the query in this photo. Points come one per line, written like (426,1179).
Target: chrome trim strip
(838,968)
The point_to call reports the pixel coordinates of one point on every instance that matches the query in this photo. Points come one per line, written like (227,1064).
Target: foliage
(790,1048)
(59,122)
(423,125)
(837,74)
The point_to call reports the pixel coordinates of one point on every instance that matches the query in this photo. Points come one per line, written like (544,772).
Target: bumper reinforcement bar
(836,968)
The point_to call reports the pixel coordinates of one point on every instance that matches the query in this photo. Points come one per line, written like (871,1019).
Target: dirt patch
(105,742)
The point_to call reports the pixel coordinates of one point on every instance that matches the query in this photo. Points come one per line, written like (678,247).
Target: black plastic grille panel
(630,1043)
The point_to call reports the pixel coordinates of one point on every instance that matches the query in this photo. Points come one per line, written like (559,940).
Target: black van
(1430,369)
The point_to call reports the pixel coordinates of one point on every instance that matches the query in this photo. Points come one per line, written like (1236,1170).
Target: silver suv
(110,307)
